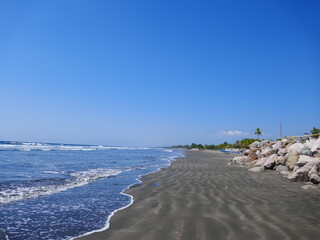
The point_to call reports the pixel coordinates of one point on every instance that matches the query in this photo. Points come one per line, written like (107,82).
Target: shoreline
(198,197)
(123,192)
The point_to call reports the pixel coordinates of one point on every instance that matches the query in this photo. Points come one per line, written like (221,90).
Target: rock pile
(297,159)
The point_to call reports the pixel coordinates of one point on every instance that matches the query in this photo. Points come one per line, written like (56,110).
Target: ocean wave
(52,172)
(31,146)
(43,187)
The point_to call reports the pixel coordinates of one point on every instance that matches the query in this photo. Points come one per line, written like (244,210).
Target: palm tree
(258,132)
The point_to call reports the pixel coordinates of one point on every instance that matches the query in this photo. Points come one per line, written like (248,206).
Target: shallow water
(55,191)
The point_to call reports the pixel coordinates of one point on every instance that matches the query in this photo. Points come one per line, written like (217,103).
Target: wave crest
(33,189)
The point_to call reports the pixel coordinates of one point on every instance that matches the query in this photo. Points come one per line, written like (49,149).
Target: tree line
(244,143)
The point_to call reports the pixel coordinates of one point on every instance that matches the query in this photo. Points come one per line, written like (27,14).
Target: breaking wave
(30,146)
(32,189)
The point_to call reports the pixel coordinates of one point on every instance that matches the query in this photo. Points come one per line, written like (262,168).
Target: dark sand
(201,197)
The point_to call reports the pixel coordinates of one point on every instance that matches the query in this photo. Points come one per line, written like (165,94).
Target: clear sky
(150,73)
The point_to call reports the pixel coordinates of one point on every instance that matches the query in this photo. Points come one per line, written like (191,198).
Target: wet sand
(200,197)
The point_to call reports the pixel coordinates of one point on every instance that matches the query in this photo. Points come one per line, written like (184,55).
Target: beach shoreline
(201,197)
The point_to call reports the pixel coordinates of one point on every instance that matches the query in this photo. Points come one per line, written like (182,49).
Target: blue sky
(151,73)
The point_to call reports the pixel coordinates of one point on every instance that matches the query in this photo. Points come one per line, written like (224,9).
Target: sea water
(60,191)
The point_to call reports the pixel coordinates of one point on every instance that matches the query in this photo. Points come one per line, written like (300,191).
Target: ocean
(61,191)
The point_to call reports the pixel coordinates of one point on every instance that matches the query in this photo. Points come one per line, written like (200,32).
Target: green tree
(315,131)
(258,132)
(193,145)
(244,143)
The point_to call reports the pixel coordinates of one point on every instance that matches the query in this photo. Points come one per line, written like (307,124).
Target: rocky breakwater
(296,159)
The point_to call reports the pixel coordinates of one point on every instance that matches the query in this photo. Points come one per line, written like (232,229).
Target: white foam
(29,146)
(77,179)
(52,172)
(107,225)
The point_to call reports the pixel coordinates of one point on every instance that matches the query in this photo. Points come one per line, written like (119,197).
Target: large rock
(295,148)
(251,157)
(277,145)
(316,145)
(309,143)
(281,168)
(315,178)
(281,160)
(238,160)
(260,161)
(282,151)
(268,151)
(296,168)
(250,164)
(306,151)
(258,153)
(263,143)
(303,159)
(270,162)
(247,152)
(315,169)
(301,174)
(316,154)
(254,145)
(288,144)
(291,162)
(256,169)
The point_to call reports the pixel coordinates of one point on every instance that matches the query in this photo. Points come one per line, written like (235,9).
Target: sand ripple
(201,197)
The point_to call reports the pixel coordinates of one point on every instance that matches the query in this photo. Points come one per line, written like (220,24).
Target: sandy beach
(200,197)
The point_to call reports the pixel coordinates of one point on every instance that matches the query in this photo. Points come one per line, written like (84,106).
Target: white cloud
(233,133)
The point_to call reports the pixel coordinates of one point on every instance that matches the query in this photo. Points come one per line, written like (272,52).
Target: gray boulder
(238,160)
(281,168)
(282,151)
(315,178)
(277,145)
(270,162)
(315,145)
(303,159)
(295,148)
(263,143)
(306,152)
(254,145)
(268,151)
(315,169)
(260,161)
(301,174)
